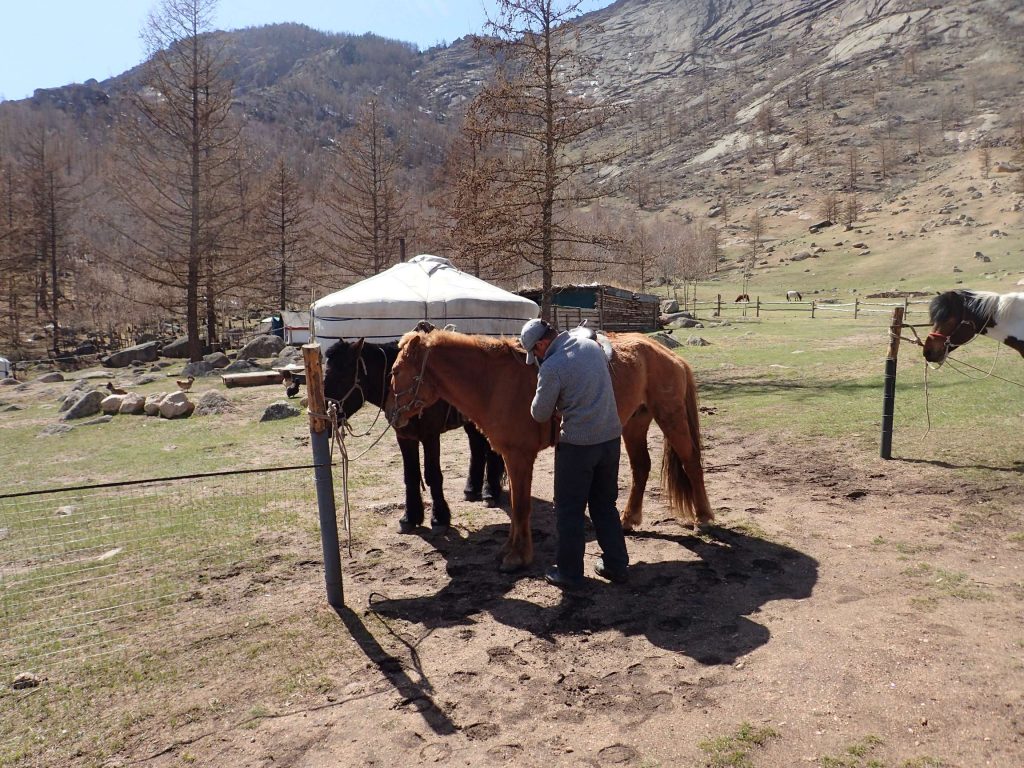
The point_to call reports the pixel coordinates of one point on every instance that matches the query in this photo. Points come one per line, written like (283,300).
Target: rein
(415,402)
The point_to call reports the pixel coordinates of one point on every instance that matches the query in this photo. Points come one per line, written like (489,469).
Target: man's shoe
(559,579)
(616,576)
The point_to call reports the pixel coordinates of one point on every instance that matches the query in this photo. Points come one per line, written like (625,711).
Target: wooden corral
(602,306)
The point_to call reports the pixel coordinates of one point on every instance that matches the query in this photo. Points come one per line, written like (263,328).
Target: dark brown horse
(361,371)
(489,381)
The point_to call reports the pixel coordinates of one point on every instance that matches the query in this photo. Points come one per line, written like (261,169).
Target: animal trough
(252,379)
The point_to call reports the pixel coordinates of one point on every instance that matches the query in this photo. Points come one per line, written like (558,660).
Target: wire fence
(80,568)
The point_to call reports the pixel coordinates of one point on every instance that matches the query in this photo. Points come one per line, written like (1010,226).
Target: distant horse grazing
(489,381)
(361,371)
(958,316)
(794,296)
(742,297)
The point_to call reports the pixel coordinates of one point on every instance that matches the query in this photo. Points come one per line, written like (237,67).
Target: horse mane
(498,347)
(981,305)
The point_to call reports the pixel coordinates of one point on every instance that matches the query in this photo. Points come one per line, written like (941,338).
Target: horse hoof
(492,501)
(511,565)
(440,526)
(407,526)
(471,495)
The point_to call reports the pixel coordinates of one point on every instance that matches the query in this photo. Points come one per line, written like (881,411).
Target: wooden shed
(604,307)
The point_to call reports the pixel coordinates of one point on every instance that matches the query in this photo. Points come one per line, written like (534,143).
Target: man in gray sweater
(574,380)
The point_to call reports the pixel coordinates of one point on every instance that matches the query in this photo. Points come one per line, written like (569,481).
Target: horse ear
(359,345)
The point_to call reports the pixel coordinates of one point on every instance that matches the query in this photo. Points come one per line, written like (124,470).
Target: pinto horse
(360,371)
(489,381)
(958,316)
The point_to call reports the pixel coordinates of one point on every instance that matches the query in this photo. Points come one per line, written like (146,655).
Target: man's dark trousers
(588,474)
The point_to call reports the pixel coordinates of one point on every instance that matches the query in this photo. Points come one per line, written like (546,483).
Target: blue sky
(47,43)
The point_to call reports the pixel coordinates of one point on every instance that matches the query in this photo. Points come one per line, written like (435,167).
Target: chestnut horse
(489,381)
(958,316)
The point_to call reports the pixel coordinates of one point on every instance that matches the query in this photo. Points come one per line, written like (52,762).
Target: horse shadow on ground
(699,608)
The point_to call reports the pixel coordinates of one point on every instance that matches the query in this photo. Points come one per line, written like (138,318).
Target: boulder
(112,403)
(178,348)
(665,340)
(684,322)
(262,346)
(800,256)
(981,256)
(83,405)
(132,404)
(715,212)
(198,369)
(668,306)
(145,353)
(217,359)
(152,404)
(697,341)
(176,406)
(1005,167)
(815,228)
(279,410)
(289,356)
(49,378)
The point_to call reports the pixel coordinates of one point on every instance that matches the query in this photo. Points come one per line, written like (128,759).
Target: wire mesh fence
(80,567)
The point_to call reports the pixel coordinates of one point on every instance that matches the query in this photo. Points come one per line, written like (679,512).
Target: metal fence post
(889,397)
(320,440)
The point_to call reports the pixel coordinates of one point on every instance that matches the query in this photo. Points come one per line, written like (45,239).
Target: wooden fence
(815,307)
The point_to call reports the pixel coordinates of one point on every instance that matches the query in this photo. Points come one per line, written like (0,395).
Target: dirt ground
(845,612)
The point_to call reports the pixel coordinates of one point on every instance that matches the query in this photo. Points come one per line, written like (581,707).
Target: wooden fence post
(320,437)
(856,307)
(718,312)
(889,396)
(758,307)
(812,309)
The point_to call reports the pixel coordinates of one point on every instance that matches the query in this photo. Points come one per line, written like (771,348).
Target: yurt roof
(384,307)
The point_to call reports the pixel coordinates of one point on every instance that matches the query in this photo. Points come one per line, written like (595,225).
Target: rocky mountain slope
(763,105)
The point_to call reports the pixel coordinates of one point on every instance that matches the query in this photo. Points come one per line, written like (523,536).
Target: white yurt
(384,307)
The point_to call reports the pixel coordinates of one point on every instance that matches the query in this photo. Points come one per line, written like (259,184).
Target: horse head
(953,324)
(411,389)
(344,375)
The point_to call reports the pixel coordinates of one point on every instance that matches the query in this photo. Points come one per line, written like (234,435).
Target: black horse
(360,371)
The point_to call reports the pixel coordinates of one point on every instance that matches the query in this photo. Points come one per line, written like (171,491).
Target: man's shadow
(698,608)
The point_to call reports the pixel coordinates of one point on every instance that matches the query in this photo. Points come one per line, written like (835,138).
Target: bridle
(414,403)
(947,338)
(357,385)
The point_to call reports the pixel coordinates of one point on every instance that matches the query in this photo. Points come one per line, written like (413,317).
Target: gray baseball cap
(532,332)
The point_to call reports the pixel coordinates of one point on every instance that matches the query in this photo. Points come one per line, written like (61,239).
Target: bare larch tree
(537,109)
(365,210)
(178,191)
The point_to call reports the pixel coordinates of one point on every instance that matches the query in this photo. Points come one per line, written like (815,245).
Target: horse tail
(689,500)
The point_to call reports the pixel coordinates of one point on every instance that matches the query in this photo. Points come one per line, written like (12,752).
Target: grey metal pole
(320,440)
